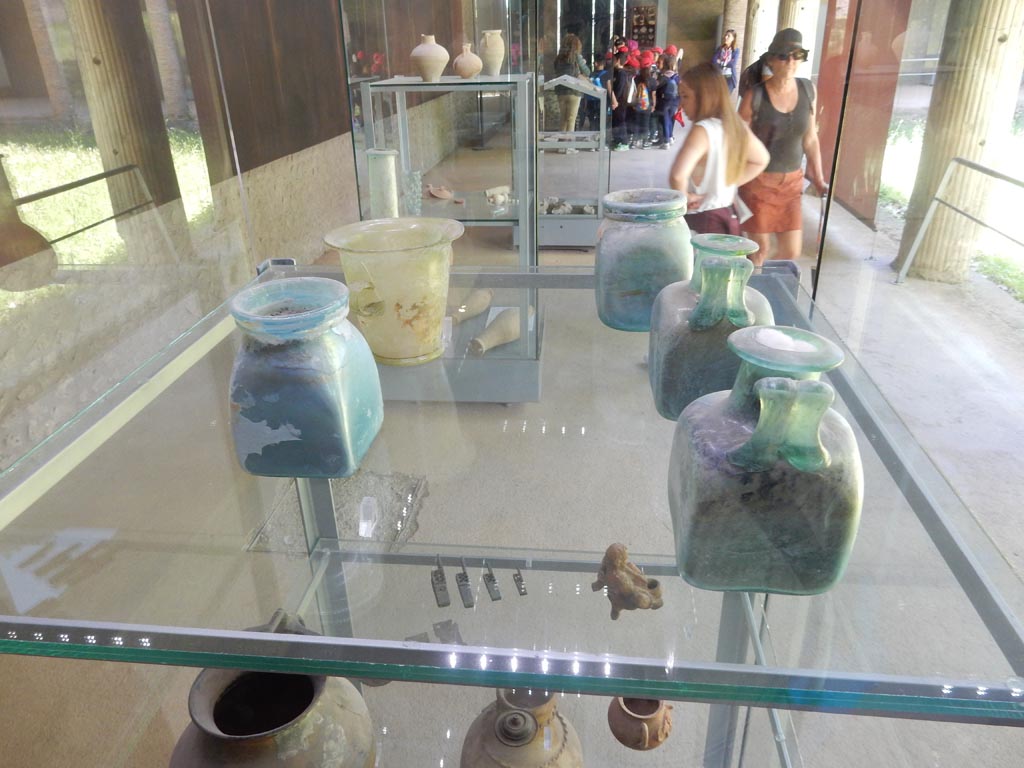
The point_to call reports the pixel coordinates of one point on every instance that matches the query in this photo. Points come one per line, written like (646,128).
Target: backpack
(643,98)
(671,88)
(752,75)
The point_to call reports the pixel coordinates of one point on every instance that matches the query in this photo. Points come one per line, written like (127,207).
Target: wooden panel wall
(284,76)
(870,98)
(19,51)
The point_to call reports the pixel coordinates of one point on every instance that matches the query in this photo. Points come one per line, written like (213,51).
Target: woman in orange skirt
(780,112)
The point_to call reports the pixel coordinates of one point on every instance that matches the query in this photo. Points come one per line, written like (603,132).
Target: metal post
(733,644)
(318,521)
(403,131)
(929,215)
(368,128)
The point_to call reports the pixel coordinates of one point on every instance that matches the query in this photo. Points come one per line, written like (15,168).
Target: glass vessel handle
(788,426)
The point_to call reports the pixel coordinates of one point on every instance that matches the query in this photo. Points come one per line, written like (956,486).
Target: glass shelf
(132,535)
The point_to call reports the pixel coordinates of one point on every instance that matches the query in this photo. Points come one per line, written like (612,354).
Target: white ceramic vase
(467,64)
(492,51)
(429,59)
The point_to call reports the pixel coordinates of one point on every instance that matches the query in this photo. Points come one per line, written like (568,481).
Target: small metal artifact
(440,585)
(627,587)
(465,590)
(491,582)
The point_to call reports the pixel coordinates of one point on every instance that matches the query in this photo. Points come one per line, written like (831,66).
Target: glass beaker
(397,272)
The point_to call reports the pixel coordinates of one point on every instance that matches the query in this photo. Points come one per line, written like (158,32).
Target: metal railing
(937,200)
(81,183)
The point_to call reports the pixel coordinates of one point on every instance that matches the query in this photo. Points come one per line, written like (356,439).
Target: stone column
(734,16)
(762,16)
(969,116)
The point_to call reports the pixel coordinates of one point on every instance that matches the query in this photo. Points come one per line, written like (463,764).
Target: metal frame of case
(505,379)
(476,211)
(576,229)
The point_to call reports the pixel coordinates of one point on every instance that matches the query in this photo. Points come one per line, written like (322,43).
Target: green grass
(1007,272)
(894,199)
(42,158)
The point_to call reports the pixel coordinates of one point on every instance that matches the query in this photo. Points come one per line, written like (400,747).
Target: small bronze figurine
(628,588)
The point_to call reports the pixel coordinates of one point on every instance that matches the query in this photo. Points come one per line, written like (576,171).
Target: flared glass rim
(645,203)
(436,231)
(328,299)
(785,348)
(721,244)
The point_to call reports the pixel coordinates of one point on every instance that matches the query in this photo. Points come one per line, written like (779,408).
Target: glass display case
(569,212)
(530,494)
(484,181)
(463,555)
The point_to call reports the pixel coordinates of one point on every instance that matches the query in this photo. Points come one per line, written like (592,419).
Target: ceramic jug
(492,52)
(503,329)
(429,59)
(467,64)
(275,720)
(478,301)
(521,729)
(640,724)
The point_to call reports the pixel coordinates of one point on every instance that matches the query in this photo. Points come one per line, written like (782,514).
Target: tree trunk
(168,63)
(969,116)
(56,83)
(734,16)
(123,97)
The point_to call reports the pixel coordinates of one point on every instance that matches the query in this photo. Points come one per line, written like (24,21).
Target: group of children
(643,95)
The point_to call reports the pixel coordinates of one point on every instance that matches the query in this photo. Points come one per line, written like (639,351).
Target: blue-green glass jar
(305,394)
(643,245)
(765,482)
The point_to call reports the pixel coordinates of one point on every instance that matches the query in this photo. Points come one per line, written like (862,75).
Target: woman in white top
(719,154)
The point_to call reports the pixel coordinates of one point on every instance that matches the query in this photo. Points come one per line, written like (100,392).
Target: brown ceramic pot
(268,720)
(640,723)
(272,720)
(521,729)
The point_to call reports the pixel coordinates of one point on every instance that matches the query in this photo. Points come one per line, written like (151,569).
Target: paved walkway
(949,358)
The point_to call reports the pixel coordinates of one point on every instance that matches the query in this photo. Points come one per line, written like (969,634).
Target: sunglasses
(800,55)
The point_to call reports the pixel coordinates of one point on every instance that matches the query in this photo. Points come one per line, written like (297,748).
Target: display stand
(568,216)
(475,210)
(510,373)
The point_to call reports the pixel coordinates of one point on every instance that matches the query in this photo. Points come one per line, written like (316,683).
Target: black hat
(786,41)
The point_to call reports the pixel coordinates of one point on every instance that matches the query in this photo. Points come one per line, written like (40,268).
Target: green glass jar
(765,480)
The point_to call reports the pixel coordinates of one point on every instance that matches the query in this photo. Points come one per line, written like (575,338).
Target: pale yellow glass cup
(397,275)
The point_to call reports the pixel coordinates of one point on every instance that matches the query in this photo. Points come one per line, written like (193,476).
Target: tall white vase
(492,51)
(429,59)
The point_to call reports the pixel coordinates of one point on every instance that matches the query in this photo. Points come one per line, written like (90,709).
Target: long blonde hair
(711,94)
